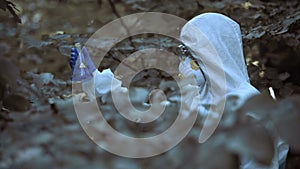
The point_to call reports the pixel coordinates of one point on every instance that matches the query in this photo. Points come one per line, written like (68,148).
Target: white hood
(216,43)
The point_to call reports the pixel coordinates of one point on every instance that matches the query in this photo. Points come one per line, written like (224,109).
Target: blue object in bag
(81,64)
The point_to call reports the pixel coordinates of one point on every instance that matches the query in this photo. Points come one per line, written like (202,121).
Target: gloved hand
(74,56)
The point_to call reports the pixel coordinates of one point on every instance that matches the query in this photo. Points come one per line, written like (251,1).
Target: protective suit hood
(216,43)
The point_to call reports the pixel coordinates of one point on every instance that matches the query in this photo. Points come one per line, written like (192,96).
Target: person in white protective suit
(224,35)
(218,52)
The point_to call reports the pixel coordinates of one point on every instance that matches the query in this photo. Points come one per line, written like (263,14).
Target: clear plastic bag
(84,67)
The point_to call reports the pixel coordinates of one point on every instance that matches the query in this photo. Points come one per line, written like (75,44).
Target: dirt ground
(38,125)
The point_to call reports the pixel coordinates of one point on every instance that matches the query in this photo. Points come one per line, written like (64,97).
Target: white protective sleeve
(101,84)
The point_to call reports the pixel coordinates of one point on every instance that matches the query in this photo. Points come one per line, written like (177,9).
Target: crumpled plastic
(224,35)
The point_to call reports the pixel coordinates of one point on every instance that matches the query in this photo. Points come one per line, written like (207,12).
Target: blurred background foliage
(39,128)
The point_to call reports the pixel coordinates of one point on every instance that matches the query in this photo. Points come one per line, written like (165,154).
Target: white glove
(102,82)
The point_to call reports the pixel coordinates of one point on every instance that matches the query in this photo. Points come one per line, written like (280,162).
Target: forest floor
(38,125)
